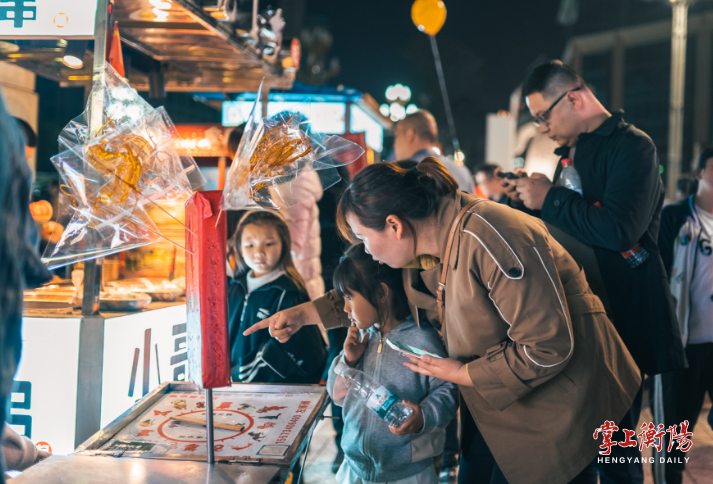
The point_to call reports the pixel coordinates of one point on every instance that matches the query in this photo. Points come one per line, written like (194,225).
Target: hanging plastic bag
(274,152)
(111,176)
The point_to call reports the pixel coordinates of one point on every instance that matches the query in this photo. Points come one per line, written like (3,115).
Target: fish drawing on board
(244,406)
(257,436)
(271,417)
(270,409)
(146,423)
(200,404)
(179,404)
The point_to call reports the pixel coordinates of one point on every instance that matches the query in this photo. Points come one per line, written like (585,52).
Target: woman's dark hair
(285,262)
(705,155)
(407,189)
(359,272)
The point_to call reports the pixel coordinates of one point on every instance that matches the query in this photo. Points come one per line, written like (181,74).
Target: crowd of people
(544,309)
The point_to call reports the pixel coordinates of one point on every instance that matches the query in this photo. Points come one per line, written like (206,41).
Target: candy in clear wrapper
(110,178)
(274,152)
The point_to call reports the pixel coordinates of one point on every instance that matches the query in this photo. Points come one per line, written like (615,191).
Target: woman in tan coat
(538,364)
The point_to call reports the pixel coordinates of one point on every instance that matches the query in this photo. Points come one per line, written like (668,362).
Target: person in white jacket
(302,219)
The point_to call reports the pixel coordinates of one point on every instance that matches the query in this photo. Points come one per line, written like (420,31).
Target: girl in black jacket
(265,282)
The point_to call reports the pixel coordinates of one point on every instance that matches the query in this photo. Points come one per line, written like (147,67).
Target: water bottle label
(381,401)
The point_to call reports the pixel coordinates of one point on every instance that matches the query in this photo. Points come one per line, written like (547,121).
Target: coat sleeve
(672,219)
(629,202)
(531,301)
(331,311)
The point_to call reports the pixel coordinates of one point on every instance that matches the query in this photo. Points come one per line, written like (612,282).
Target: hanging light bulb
(74,54)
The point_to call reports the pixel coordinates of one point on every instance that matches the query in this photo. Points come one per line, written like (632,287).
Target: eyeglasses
(542,118)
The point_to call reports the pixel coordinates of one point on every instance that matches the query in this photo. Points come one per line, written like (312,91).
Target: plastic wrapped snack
(273,152)
(109,177)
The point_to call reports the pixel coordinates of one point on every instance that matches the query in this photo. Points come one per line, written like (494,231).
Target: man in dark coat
(19,261)
(610,226)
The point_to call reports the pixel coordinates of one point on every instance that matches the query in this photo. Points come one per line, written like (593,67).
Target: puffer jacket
(303,222)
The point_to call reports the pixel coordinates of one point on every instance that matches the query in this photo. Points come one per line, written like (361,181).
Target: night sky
(378,44)
(486,47)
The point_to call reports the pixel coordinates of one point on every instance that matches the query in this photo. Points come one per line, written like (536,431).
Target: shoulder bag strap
(441,292)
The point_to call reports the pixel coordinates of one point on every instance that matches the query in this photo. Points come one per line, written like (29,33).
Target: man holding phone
(619,210)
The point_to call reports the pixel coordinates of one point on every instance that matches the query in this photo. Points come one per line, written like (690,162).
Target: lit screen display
(373,131)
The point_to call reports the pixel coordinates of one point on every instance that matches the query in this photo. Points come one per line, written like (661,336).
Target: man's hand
(287,322)
(412,424)
(446,369)
(510,189)
(532,190)
(354,346)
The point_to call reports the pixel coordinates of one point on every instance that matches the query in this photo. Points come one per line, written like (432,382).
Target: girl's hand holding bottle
(354,346)
(413,424)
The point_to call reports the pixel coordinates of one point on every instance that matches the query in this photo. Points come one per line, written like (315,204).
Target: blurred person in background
(489,184)
(30,137)
(614,215)
(19,260)
(415,138)
(685,240)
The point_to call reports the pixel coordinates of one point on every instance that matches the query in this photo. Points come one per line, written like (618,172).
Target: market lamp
(74,54)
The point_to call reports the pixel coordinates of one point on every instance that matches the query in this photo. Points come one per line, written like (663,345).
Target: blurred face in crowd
(705,177)
(261,247)
(563,122)
(392,246)
(489,185)
(404,142)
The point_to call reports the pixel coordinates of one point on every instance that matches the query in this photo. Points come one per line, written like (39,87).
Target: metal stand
(444,93)
(210,440)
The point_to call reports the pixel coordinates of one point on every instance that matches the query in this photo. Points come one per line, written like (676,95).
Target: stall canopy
(183,45)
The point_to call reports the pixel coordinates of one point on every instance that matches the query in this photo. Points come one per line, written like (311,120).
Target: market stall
(261,431)
(105,353)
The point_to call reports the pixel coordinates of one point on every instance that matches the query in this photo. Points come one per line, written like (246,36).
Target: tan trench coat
(547,366)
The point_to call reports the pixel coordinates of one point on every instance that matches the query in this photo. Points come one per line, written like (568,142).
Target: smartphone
(408,349)
(509,175)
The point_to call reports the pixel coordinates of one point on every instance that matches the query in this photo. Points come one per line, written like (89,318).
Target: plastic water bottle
(385,404)
(570,177)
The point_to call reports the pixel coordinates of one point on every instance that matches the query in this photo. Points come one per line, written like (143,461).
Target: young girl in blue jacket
(375,300)
(265,282)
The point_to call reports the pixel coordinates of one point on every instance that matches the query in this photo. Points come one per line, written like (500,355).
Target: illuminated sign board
(140,351)
(325,117)
(372,130)
(47,19)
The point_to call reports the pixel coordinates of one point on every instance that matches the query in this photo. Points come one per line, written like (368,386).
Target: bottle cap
(566,161)
(340,368)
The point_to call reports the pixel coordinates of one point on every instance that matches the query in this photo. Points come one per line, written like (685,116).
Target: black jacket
(261,358)
(619,169)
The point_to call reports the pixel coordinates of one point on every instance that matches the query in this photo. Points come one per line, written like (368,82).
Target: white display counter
(77,374)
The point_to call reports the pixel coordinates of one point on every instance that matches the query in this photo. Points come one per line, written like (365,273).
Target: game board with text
(247,425)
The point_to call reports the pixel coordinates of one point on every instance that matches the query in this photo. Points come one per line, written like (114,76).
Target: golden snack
(273,153)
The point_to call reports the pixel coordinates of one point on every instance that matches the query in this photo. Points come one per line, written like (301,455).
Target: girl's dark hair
(407,189)
(359,272)
(285,262)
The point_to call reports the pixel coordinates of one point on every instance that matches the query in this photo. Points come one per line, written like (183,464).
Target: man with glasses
(617,215)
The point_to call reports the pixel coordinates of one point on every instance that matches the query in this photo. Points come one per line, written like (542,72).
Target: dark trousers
(627,472)
(477,465)
(683,395)
(452,447)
